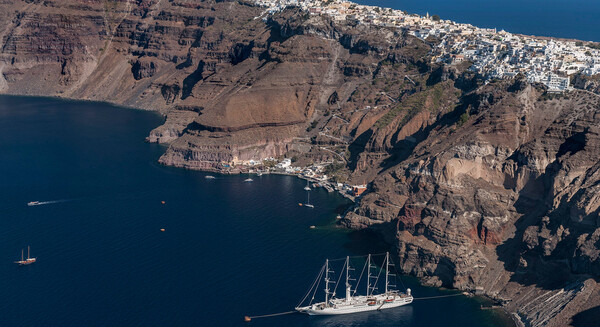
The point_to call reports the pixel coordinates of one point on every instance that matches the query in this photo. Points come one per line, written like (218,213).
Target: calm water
(230,248)
(559,18)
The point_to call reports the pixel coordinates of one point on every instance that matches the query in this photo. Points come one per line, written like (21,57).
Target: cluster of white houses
(493,54)
(490,53)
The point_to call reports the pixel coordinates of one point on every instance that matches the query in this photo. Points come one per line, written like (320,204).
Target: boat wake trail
(39,203)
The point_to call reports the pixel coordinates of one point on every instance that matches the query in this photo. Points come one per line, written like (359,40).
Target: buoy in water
(162,229)
(300,204)
(163,202)
(247,319)
(313,226)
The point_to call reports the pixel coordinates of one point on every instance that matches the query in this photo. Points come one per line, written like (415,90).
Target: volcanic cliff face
(504,202)
(487,187)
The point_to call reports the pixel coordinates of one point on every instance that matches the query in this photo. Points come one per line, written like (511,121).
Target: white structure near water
(352,303)
(284,163)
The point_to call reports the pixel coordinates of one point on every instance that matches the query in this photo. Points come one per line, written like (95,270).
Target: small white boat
(209,177)
(307,204)
(248,180)
(307,187)
(33,203)
(25,262)
(353,303)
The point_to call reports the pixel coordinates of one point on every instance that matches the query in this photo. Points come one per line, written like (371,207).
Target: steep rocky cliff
(478,187)
(503,202)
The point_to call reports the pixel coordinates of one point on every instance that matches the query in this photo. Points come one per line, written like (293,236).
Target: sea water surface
(576,19)
(230,248)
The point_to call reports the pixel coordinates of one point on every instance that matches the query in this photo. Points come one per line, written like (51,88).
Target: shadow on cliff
(526,259)
(366,241)
(191,80)
(529,267)
(586,318)
(445,272)
(403,149)
(357,147)
(277,34)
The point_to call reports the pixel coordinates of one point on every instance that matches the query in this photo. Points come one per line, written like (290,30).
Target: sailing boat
(353,303)
(308,201)
(28,261)
(307,188)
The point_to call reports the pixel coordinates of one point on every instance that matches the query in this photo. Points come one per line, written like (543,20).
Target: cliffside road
(486,186)
(335,153)
(591,93)
(333,137)
(342,119)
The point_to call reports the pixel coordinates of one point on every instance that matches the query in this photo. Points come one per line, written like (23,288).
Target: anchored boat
(352,302)
(23,261)
(307,187)
(307,204)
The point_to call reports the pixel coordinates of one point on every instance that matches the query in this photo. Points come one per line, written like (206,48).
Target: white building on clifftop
(556,83)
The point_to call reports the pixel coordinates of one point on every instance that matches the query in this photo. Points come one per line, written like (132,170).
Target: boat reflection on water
(403,316)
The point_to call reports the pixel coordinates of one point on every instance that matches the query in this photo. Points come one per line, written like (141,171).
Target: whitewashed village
(492,54)
(314,173)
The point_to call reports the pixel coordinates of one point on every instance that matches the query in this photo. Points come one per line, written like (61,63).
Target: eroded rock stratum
(490,187)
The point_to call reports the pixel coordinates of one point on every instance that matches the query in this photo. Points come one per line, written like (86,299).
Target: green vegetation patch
(413,105)
(462,119)
(593,45)
(337,171)
(312,125)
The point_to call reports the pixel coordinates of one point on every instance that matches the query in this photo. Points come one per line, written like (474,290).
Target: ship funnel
(408,291)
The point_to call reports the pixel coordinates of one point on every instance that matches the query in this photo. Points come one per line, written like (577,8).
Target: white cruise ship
(352,302)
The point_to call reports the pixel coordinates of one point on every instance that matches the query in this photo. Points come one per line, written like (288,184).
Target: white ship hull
(352,303)
(355,305)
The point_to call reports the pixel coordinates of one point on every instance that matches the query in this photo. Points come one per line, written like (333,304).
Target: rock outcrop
(503,202)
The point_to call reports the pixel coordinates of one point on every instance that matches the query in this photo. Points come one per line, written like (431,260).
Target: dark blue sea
(576,19)
(229,248)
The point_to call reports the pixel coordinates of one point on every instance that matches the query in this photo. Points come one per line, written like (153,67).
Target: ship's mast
(326,282)
(368,274)
(27,251)
(348,296)
(387,268)
(22,254)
